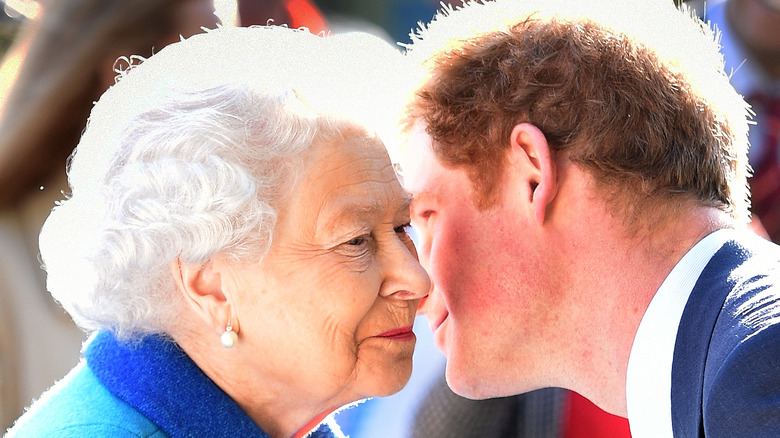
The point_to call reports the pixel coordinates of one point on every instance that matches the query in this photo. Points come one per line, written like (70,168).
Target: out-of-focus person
(750,43)
(235,241)
(60,62)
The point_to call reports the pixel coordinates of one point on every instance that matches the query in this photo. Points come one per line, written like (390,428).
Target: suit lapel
(693,338)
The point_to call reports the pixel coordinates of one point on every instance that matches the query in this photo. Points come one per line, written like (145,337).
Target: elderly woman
(236,240)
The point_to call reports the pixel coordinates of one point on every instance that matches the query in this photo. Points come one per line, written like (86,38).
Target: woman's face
(328,313)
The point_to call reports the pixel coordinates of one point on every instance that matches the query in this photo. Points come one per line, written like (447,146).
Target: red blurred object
(293,13)
(765,183)
(583,419)
(305,14)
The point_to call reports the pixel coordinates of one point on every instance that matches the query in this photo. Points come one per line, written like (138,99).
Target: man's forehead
(419,160)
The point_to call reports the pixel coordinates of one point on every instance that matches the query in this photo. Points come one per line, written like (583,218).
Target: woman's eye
(359,246)
(357,241)
(403,229)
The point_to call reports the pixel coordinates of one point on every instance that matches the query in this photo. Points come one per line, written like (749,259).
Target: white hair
(188,155)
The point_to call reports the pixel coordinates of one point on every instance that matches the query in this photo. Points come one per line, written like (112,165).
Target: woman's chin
(390,382)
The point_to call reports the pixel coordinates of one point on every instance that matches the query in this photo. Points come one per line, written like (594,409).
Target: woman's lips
(399,334)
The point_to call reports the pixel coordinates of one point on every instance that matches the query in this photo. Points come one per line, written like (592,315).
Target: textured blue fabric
(156,377)
(80,406)
(149,388)
(726,366)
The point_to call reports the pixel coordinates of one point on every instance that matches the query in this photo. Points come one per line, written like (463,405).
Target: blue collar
(159,380)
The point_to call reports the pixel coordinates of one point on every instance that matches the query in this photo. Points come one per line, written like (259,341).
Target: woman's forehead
(348,157)
(350,180)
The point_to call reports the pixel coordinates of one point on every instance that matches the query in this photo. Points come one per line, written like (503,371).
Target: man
(579,173)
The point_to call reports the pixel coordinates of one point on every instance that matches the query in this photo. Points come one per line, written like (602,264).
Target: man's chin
(476,383)
(466,383)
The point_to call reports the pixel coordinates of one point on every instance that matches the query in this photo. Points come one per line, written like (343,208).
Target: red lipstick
(399,334)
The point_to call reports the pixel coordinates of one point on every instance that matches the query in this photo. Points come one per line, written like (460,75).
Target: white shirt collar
(649,375)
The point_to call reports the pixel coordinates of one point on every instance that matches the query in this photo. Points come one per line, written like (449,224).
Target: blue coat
(147,389)
(726,366)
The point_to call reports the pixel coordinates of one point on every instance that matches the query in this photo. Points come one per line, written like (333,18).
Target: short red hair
(642,125)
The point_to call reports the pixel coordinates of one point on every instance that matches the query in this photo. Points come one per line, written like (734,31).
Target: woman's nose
(422,308)
(406,278)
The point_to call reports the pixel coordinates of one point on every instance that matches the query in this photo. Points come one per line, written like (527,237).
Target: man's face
(487,308)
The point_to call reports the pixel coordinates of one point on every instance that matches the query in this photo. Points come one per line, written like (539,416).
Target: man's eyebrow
(406,201)
(420,196)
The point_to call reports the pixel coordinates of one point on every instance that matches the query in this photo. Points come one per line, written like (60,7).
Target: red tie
(583,419)
(765,183)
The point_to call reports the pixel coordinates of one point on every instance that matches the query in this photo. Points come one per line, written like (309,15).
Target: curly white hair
(188,155)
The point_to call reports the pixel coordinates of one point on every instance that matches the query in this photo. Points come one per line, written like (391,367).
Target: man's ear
(202,289)
(531,155)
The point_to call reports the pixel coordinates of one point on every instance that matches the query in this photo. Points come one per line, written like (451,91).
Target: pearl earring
(229,337)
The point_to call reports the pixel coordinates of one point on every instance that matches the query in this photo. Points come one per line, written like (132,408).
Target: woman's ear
(531,154)
(203,290)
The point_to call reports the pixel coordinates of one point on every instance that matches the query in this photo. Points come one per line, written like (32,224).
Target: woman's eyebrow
(347,210)
(368,206)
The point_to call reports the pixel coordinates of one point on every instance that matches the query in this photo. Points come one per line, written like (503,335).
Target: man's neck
(612,281)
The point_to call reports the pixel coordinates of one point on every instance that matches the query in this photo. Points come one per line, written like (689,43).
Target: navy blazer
(726,365)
